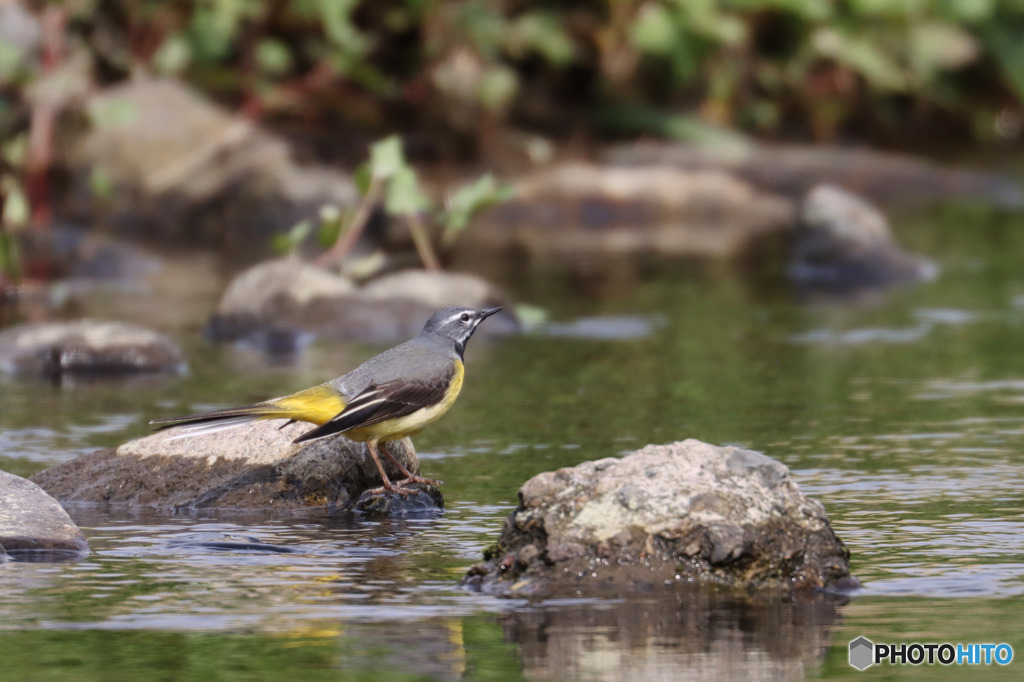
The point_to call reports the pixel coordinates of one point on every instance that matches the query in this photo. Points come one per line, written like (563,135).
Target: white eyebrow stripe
(455,316)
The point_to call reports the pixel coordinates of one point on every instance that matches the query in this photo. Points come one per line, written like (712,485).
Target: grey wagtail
(390,396)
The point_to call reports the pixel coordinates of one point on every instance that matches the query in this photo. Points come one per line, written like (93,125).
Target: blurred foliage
(810,68)
(388,178)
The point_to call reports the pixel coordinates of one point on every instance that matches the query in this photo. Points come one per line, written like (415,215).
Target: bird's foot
(395,488)
(419,479)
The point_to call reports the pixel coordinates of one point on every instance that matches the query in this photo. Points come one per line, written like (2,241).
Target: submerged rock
(575,211)
(252,467)
(33,526)
(681,513)
(87,348)
(426,500)
(293,297)
(843,242)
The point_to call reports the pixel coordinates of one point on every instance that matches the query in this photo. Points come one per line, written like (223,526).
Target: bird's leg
(409,476)
(390,487)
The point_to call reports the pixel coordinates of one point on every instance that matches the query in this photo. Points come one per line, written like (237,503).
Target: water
(903,413)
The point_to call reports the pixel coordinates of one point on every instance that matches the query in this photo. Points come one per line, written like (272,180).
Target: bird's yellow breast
(411,424)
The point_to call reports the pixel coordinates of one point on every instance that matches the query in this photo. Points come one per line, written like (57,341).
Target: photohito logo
(865,653)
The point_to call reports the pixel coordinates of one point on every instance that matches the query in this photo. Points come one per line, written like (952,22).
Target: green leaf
(1004,43)
(498,86)
(653,31)
(11,61)
(469,200)
(387,158)
(273,57)
(336,16)
(101,184)
(174,55)
(9,256)
(362,176)
(288,242)
(864,55)
(14,150)
(543,33)
(15,208)
(404,194)
(331,225)
(530,316)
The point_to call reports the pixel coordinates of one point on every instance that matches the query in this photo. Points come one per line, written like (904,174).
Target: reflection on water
(676,636)
(366,584)
(903,415)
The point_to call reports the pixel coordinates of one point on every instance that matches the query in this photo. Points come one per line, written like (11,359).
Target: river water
(903,413)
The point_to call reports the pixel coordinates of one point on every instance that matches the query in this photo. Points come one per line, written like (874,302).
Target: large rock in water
(33,526)
(573,212)
(843,243)
(681,513)
(183,170)
(287,296)
(253,467)
(792,170)
(58,350)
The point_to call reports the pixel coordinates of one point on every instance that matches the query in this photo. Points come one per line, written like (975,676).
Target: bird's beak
(487,312)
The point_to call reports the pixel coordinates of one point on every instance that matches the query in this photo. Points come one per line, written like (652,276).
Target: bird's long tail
(315,405)
(219,420)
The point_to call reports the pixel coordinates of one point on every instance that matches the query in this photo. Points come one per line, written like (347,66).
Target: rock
(253,467)
(73,253)
(793,170)
(843,242)
(681,513)
(432,291)
(33,526)
(86,347)
(183,170)
(293,297)
(427,501)
(580,211)
(276,294)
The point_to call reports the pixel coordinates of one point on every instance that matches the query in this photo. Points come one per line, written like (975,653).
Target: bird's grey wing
(410,360)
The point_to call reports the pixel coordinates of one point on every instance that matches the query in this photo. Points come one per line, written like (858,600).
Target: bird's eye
(464,317)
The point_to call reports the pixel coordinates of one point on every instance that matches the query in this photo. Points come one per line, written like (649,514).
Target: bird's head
(456,324)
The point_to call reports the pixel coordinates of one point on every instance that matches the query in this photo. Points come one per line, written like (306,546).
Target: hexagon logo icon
(862,653)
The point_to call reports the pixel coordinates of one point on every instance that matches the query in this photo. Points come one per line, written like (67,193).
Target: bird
(392,395)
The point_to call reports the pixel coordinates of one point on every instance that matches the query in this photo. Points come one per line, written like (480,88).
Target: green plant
(389,180)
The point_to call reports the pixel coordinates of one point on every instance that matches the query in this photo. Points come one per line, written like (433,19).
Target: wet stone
(286,295)
(184,170)
(793,170)
(87,348)
(33,525)
(844,243)
(255,467)
(427,500)
(687,512)
(574,213)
